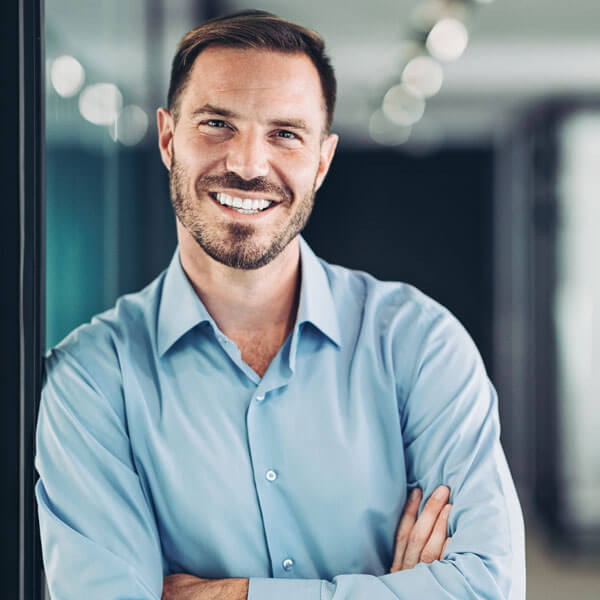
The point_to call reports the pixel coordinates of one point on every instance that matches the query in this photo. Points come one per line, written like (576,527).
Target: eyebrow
(211,109)
(291,123)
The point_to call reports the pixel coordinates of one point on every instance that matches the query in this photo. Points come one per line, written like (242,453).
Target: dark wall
(423,220)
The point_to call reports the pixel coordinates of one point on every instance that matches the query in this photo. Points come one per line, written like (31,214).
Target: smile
(245,206)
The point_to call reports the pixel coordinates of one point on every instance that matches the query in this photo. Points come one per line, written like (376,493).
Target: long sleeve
(98,532)
(450,427)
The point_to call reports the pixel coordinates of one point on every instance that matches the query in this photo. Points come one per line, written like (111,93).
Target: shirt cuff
(264,588)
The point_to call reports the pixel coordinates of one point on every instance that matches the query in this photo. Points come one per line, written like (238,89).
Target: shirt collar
(316,301)
(181,310)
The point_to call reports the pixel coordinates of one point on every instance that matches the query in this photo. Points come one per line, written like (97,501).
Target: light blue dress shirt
(160,451)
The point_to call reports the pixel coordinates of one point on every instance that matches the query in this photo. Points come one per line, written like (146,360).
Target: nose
(247,155)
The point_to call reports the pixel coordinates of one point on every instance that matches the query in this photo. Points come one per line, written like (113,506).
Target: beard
(235,244)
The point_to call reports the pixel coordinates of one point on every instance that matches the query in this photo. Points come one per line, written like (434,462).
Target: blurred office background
(469,166)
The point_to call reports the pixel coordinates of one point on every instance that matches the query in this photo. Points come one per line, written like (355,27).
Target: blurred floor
(552,575)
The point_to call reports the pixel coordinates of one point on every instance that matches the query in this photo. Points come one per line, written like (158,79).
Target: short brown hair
(254,29)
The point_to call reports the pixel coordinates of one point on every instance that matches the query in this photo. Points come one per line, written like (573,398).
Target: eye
(288,135)
(216,123)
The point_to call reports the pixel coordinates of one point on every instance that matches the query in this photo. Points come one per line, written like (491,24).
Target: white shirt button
(271,475)
(260,398)
(287,564)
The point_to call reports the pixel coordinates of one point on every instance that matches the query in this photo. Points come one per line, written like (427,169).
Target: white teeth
(224,199)
(247,206)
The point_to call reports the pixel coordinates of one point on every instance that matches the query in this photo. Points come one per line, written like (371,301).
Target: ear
(328,147)
(166,127)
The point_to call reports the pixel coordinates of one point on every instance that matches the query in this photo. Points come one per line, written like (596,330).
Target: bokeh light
(385,132)
(448,39)
(403,105)
(132,125)
(424,75)
(101,103)
(67,76)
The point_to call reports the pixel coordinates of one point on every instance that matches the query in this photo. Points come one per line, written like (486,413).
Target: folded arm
(419,538)
(98,532)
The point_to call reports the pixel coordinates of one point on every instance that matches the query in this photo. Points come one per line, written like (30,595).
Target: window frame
(22,255)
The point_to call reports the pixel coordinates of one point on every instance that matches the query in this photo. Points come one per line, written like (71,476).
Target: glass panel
(109,222)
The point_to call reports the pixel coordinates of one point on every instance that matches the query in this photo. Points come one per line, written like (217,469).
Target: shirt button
(287,564)
(260,398)
(271,475)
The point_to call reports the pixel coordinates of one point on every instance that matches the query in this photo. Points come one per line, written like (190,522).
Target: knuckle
(427,556)
(434,504)
(414,538)
(431,510)
(408,564)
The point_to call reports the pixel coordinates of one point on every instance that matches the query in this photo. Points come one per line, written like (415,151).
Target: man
(250,424)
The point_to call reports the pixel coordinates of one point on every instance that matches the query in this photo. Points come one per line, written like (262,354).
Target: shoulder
(406,326)
(95,351)
(387,304)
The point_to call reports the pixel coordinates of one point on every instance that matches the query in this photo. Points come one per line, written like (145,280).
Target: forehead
(260,80)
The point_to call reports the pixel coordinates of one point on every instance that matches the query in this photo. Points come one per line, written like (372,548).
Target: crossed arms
(419,538)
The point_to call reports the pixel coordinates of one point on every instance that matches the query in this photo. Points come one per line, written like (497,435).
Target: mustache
(234,181)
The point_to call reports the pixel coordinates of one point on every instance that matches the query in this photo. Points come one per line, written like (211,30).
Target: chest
(259,349)
(315,454)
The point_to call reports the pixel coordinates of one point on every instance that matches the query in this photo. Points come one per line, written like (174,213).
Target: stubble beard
(235,247)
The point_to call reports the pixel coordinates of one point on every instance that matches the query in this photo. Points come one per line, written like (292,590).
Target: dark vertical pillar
(21,260)
(513,332)
(9,302)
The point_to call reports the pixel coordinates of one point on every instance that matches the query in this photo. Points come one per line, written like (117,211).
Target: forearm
(458,576)
(188,587)
(440,580)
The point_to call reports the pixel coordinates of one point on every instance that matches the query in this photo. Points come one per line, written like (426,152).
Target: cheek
(300,170)
(199,152)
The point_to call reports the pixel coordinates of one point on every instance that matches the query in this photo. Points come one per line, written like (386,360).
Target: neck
(245,302)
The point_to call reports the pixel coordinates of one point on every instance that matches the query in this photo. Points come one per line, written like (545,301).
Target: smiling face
(247,152)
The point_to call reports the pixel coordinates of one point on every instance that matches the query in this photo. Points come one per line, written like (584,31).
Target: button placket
(268,479)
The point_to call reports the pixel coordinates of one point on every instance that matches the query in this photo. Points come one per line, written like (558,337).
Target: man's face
(250,132)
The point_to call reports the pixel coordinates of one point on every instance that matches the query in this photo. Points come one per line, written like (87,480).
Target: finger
(435,544)
(444,548)
(423,526)
(409,516)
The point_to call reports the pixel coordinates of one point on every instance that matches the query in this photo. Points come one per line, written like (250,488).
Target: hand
(188,587)
(422,539)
